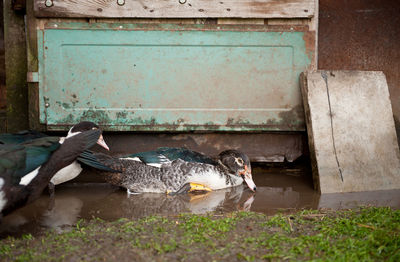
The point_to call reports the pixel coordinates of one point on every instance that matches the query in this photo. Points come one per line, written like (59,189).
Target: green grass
(365,234)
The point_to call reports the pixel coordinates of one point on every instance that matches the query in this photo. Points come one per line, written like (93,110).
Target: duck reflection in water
(224,200)
(66,212)
(110,203)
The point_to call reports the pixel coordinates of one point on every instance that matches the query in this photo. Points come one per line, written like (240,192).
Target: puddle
(277,189)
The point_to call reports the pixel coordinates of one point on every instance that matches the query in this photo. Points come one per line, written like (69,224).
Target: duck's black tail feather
(100,161)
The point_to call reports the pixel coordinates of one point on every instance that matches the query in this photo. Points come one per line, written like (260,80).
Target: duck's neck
(231,179)
(70,134)
(222,167)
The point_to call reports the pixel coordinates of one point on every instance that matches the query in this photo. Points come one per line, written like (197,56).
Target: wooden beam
(33,66)
(15,62)
(175,8)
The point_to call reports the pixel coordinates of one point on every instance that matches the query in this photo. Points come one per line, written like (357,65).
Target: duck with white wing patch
(26,168)
(74,169)
(173,170)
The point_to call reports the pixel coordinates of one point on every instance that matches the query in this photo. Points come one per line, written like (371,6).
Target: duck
(72,170)
(67,173)
(172,170)
(27,168)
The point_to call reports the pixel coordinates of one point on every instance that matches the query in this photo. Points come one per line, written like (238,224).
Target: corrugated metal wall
(362,35)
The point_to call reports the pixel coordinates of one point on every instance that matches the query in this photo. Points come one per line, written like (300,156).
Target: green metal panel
(165,78)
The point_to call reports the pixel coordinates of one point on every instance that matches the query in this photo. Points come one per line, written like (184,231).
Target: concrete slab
(350,126)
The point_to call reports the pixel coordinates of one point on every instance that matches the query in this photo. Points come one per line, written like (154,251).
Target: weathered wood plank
(240,21)
(175,8)
(351,134)
(286,21)
(15,62)
(32,64)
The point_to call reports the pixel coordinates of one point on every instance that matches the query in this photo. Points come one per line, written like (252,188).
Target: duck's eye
(239,161)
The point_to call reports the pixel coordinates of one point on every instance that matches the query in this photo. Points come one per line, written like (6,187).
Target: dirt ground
(365,234)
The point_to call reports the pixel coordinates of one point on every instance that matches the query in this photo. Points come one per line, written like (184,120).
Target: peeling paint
(174,77)
(122,115)
(98,116)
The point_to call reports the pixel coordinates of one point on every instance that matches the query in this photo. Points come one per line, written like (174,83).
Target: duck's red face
(247,177)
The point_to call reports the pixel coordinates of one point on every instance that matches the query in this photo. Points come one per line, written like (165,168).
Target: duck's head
(238,164)
(86,126)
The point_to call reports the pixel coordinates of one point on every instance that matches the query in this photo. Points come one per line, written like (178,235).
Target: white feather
(3,200)
(213,180)
(71,134)
(138,160)
(131,158)
(163,159)
(154,164)
(132,193)
(62,139)
(25,180)
(67,173)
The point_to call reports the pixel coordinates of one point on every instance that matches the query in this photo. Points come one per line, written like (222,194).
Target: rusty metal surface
(131,77)
(261,147)
(362,35)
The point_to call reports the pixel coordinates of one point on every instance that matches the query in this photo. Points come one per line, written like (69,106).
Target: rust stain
(370,33)
(291,118)
(309,40)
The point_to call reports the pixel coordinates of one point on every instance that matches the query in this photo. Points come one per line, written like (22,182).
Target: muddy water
(278,189)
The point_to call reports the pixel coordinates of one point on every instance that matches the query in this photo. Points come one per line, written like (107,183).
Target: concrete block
(351,133)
